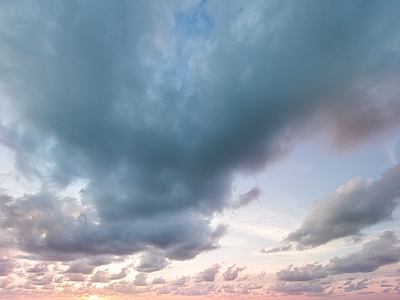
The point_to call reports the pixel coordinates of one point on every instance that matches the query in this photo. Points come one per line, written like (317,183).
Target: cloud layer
(157,106)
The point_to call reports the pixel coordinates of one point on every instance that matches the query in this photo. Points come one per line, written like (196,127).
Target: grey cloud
(75,277)
(352,207)
(56,233)
(232,273)
(6,266)
(247,197)
(303,273)
(79,267)
(39,269)
(228,288)
(150,262)
(100,276)
(247,289)
(376,253)
(140,279)
(298,288)
(198,289)
(357,286)
(181,281)
(40,280)
(96,98)
(207,274)
(159,280)
(120,275)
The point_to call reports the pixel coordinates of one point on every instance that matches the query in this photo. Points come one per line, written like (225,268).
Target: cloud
(352,207)
(247,197)
(151,262)
(120,275)
(159,280)
(207,274)
(181,281)
(298,288)
(6,266)
(197,290)
(156,107)
(358,286)
(232,272)
(100,276)
(76,277)
(40,280)
(376,253)
(51,228)
(79,267)
(303,273)
(140,279)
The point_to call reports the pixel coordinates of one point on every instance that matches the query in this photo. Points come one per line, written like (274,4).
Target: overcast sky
(226,149)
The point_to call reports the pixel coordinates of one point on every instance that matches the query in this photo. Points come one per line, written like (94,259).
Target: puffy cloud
(181,281)
(358,286)
(197,290)
(352,207)
(207,274)
(140,279)
(159,280)
(100,276)
(232,273)
(76,277)
(159,130)
(303,273)
(120,275)
(376,253)
(150,262)
(298,288)
(52,228)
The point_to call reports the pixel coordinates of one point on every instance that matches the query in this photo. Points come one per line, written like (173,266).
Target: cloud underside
(351,208)
(158,112)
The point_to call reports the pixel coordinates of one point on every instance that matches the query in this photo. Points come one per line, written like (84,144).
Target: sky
(211,149)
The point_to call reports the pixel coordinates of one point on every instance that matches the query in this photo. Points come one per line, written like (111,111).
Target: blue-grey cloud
(157,106)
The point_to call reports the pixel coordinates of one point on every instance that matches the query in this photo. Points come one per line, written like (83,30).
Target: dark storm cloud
(157,128)
(352,207)
(379,252)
